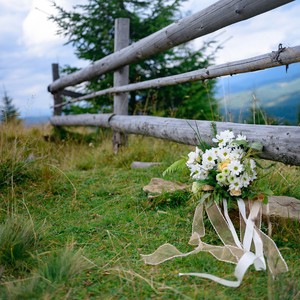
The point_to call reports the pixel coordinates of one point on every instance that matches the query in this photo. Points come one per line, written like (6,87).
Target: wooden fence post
(56,96)
(121,77)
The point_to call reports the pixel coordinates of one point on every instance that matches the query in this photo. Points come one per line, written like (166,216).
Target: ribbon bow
(251,249)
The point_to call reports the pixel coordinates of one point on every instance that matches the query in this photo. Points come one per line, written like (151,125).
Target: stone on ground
(158,186)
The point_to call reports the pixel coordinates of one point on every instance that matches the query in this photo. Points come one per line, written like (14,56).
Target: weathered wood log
(214,17)
(71,94)
(121,77)
(56,96)
(281,143)
(100,120)
(273,59)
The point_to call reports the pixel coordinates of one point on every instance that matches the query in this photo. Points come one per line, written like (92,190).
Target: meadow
(74,220)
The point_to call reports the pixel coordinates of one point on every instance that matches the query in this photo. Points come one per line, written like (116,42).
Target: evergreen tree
(9,113)
(90,29)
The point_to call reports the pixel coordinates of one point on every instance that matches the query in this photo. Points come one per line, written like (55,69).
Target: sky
(29,45)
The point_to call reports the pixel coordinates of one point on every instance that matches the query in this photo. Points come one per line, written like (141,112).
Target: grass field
(74,221)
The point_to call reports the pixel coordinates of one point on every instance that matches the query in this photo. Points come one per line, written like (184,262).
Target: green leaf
(177,166)
(256,146)
(241,142)
(265,201)
(268,192)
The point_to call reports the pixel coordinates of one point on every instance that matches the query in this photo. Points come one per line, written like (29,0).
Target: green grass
(97,221)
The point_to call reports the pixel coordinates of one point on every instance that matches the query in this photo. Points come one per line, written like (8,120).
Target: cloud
(15,6)
(29,44)
(39,33)
(11,15)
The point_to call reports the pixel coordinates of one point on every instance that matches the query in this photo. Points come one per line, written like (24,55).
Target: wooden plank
(214,17)
(261,62)
(100,120)
(56,96)
(121,77)
(71,94)
(281,143)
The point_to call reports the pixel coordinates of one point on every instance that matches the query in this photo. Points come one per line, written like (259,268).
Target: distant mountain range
(35,120)
(276,92)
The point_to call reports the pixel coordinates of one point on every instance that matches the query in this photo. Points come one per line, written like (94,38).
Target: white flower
(216,151)
(209,156)
(235,167)
(252,164)
(200,174)
(224,153)
(236,184)
(241,137)
(207,165)
(194,157)
(225,172)
(253,175)
(231,178)
(221,178)
(225,137)
(252,172)
(245,179)
(236,153)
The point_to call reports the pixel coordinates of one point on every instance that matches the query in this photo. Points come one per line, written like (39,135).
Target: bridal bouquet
(226,172)
(227,169)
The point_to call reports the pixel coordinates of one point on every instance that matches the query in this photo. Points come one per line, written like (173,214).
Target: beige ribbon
(234,250)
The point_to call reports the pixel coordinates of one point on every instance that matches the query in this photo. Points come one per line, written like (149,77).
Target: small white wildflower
(253,176)
(236,153)
(252,164)
(194,157)
(207,165)
(225,172)
(221,178)
(236,184)
(209,156)
(224,153)
(225,137)
(235,167)
(245,179)
(241,137)
(201,174)
(195,169)
(198,172)
(231,178)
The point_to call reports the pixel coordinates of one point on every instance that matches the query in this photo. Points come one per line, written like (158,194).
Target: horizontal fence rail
(284,56)
(281,143)
(214,17)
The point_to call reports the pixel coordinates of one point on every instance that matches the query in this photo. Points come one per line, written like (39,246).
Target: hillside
(280,100)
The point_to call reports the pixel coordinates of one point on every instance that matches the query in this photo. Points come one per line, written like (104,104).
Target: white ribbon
(233,251)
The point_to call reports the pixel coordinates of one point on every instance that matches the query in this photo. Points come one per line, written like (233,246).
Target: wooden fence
(281,143)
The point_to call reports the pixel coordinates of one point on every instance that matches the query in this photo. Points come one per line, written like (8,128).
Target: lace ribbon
(251,249)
